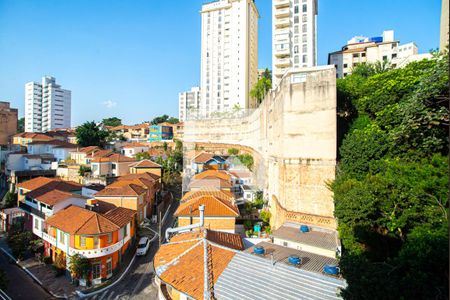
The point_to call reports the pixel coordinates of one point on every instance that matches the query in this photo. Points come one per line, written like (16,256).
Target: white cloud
(109,104)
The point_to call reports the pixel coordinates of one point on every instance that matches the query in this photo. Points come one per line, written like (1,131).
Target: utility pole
(159,230)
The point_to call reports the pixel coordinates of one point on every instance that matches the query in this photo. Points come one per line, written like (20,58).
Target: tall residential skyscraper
(229,55)
(47,106)
(294,36)
(188,103)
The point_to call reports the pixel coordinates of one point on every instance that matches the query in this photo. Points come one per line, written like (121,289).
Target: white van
(143,246)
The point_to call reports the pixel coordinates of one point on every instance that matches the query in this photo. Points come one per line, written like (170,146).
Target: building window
(82,241)
(96,270)
(296,20)
(304,38)
(61,237)
(295,49)
(113,166)
(109,267)
(95,242)
(36,223)
(109,238)
(296,59)
(363,54)
(304,28)
(355,54)
(305,8)
(296,29)
(305,58)
(304,18)
(394,55)
(305,48)
(345,66)
(296,9)
(385,57)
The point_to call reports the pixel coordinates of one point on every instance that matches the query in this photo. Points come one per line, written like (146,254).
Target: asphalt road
(20,285)
(138,282)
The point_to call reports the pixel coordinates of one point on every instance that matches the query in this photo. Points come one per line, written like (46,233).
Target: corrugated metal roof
(248,276)
(310,261)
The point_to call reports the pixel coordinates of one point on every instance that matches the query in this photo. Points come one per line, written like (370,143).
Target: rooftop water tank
(331,270)
(376,39)
(294,260)
(304,228)
(259,250)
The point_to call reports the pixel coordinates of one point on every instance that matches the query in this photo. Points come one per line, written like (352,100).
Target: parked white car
(143,246)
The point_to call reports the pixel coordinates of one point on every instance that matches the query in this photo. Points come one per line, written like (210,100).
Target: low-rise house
(161,132)
(102,238)
(25,138)
(249,193)
(220,210)
(29,162)
(131,149)
(84,156)
(49,183)
(207,161)
(127,195)
(178,131)
(112,165)
(146,166)
(132,133)
(60,149)
(211,265)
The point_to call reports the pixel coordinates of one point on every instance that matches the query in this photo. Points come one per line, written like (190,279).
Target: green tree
(173,120)
(262,87)
(159,119)
(113,121)
(83,170)
(392,182)
(89,134)
(20,125)
(233,151)
(20,243)
(79,266)
(246,160)
(142,156)
(10,200)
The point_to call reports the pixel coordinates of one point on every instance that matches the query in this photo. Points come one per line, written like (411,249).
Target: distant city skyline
(131,61)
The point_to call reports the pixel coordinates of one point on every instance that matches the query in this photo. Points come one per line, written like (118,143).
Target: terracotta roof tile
(133,145)
(34,183)
(50,184)
(80,221)
(203,157)
(126,190)
(214,207)
(120,216)
(147,175)
(210,182)
(213,174)
(181,265)
(113,158)
(146,163)
(224,195)
(230,240)
(51,196)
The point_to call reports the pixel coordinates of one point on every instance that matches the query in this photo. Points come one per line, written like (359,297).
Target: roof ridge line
(183,254)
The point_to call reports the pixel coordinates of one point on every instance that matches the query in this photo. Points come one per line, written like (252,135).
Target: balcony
(280,72)
(282,23)
(282,13)
(283,62)
(91,253)
(31,210)
(281,3)
(282,52)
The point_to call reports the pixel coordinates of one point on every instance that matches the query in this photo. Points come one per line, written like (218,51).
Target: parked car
(143,246)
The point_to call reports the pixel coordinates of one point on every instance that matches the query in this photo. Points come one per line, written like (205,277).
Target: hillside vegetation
(392,181)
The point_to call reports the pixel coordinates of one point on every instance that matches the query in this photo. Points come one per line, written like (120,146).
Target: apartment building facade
(188,103)
(294,36)
(47,106)
(8,122)
(229,55)
(361,49)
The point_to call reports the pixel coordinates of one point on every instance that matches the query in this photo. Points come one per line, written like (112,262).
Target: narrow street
(138,282)
(20,285)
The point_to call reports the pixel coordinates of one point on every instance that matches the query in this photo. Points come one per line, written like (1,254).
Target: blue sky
(131,58)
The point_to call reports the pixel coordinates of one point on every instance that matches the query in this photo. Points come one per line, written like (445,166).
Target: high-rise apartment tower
(229,55)
(47,106)
(294,36)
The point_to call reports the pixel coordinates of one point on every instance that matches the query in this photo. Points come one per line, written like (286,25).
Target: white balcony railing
(91,253)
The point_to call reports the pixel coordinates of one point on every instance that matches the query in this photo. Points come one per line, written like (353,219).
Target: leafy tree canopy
(113,121)
(392,182)
(89,134)
(164,118)
(262,87)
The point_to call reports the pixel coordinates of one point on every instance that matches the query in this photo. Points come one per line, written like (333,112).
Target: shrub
(265,216)
(247,224)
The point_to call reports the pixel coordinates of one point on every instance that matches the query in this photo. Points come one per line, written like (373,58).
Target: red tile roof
(79,221)
(120,215)
(51,197)
(203,157)
(50,184)
(134,145)
(146,163)
(125,190)
(113,158)
(214,207)
(210,182)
